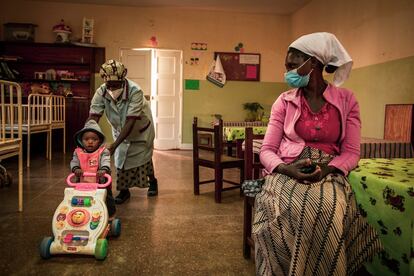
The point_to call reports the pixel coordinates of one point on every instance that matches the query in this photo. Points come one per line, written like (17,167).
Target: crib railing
(11,121)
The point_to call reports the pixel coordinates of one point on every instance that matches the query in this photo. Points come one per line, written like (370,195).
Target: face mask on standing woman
(115,93)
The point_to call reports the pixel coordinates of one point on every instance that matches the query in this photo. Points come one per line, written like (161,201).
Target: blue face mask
(295,80)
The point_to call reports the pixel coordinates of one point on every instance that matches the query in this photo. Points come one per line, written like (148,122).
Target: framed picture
(87,30)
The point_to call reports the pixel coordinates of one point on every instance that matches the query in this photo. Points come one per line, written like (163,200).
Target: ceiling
(279,7)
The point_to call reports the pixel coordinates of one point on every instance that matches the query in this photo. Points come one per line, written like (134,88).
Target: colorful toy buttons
(96,217)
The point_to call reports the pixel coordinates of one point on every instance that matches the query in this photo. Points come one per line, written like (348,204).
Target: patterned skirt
(310,229)
(135,177)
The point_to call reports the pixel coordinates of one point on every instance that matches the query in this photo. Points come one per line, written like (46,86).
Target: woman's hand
(293,170)
(111,148)
(125,131)
(325,169)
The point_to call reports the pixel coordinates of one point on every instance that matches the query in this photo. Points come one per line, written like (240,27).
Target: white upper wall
(373,31)
(132,27)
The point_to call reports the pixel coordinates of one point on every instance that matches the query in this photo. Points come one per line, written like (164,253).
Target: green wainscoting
(376,85)
(226,101)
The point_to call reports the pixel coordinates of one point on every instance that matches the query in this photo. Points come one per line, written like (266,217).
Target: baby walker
(80,223)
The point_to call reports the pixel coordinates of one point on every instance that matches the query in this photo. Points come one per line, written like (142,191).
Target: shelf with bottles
(56,88)
(29,62)
(50,72)
(47,53)
(52,81)
(48,65)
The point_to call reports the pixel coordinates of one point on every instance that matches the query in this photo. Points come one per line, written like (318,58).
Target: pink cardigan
(282,144)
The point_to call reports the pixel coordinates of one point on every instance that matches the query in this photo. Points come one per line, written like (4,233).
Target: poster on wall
(240,66)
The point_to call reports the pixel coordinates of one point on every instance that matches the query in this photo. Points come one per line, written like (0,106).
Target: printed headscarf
(113,70)
(328,50)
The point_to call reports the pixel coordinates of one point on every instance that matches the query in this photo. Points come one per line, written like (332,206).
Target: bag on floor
(252,187)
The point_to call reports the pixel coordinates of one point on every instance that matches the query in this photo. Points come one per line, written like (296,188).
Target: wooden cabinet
(399,124)
(78,111)
(69,68)
(74,65)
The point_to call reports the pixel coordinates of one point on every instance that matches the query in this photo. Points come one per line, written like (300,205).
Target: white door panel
(166,99)
(166,65)
(166,110)
(166,131)
(159,73)
(166,87)
(138,64)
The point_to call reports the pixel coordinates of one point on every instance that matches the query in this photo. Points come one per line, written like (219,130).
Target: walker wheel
(116,228)
(45,247)
(101,249)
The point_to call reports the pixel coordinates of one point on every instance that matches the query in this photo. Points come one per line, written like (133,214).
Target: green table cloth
(384,191)
(235,133)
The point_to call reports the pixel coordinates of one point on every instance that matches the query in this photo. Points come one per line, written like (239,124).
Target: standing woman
(130,117)
(306,220)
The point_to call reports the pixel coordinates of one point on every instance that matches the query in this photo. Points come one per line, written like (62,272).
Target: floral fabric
(384,191)
(234,133)
(320,129)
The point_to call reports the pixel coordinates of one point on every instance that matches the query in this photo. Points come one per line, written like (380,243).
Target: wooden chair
(11,119)
(57,118)
(252,167)
(213,157)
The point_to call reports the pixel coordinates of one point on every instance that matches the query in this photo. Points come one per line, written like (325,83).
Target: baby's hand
(100,173)
(78,172)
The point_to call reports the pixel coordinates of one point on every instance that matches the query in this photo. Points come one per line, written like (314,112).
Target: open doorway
(159,73)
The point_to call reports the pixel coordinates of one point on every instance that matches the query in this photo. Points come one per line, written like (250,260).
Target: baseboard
(186,146)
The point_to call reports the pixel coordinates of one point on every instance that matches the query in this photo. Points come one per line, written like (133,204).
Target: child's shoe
(153,188)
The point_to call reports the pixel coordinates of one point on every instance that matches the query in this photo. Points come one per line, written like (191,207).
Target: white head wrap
(328,50)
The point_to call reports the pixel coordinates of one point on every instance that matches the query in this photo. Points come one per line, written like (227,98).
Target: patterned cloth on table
(384,191)
(313,229)
(235,133)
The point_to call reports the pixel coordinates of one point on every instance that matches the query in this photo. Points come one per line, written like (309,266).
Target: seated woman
(306,220)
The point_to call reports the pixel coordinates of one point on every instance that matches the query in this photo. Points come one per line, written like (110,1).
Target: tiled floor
(175,233)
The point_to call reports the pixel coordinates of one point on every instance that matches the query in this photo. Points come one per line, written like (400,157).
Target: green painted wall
(376,85)
(227,101)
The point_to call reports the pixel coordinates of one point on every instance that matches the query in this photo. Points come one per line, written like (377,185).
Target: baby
(92,156)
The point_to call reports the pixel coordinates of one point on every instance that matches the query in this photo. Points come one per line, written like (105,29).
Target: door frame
(180,144)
